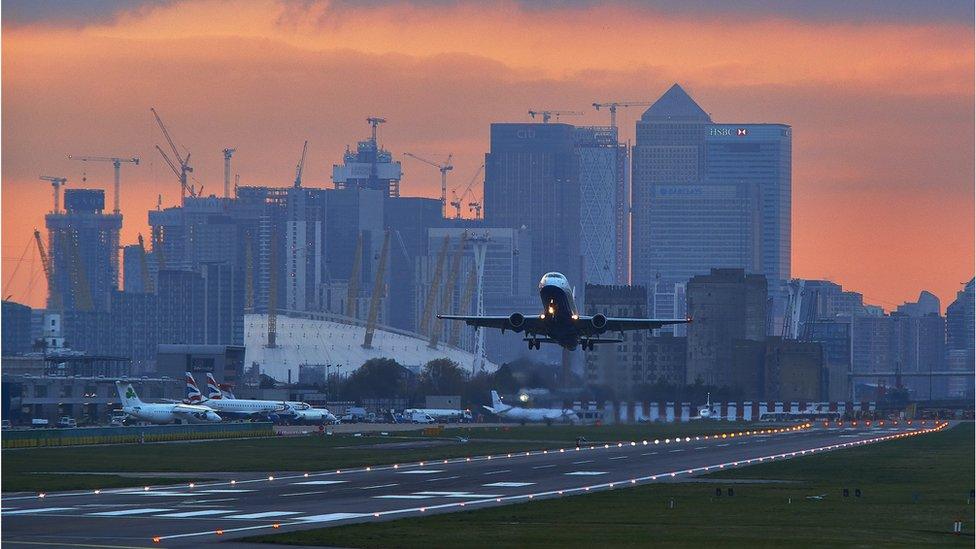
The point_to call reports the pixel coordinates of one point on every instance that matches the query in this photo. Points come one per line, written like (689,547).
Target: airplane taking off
(162,413)
(560,321)
(516,413)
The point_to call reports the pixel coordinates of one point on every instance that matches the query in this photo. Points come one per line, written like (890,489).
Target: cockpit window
(554,275)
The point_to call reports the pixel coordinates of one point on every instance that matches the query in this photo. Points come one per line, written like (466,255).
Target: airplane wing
(531,323)
(626,324)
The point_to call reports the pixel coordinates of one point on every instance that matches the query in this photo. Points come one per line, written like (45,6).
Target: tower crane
(117,164)
(612,106)
(184,162)
(147,285)
(459,200)
(374,301)
(300,168)
(475,207)
(444,167)
(547,115)
(55,300)
(56,183)
(375,121)
(227,154)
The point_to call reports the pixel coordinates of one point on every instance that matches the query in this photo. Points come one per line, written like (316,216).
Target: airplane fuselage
(559,310)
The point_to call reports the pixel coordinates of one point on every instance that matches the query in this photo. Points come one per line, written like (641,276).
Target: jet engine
(599,321)
(516,321)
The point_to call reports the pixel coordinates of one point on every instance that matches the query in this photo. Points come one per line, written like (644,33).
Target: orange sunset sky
(880,96)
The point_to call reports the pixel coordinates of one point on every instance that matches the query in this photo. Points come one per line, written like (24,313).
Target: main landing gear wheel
(534,344)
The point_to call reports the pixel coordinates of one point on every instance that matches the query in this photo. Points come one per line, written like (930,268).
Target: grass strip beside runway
(911,491)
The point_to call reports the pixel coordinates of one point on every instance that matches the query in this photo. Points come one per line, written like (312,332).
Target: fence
(32,438)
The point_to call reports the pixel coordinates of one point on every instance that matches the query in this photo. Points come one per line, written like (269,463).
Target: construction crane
(466,297)
(476,208)
(612,106)
(375,121)
(444,167)
(117,164)
(227,154)
(431,300)
(300,168)
(184,162)
(459,200)
(52,290)
(248,272)
(56,183)
(449,288)
(374,302)
(147,285)
(352,289)
(547,115)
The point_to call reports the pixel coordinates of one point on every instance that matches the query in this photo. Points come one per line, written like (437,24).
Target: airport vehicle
(525,415)
(162,413)
(355,415)
(441,414)
(117,420)
(416,416)
(5,424)
(40,422)
(67,422)
(560,321)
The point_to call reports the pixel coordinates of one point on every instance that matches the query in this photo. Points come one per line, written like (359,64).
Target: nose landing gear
(534,343)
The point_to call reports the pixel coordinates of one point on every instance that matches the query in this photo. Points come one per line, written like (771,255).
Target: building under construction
(83,243)
(368,167)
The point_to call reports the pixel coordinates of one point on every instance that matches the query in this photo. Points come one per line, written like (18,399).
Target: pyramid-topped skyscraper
(706,195)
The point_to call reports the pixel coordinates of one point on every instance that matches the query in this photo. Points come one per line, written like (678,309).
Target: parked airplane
(294,411)
(162,413)
(705,412)
(560,321)
(516,413)
(238,407)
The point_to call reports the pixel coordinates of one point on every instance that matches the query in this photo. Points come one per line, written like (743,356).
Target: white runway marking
(379,486)
(41,510)
(649,454)
(699,447)
(305,493)
(442,478)
(458,495)
(499,471)
(204,513)
(321,482)
(587,473)
(543,466)
(165,493)
(673,451)
(508,484)
(402,497)
(582,462)
(620,457)
(422,472)
(225,491)
(726,444)
(328,517)
(125,512)
(266,514)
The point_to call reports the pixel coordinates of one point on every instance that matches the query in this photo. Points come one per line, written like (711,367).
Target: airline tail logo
(193,393)
(127,394)
(212,388)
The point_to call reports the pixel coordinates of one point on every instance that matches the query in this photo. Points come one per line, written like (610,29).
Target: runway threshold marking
(203,513)
(329,517)
(126,512)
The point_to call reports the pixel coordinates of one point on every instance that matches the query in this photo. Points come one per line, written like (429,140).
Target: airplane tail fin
(127,394)
(193,393)
(213,390)
(496,401)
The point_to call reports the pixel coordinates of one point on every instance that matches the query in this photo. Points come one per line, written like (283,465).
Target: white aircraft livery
(295,411)
(162,413)
(560,321)
(515,413)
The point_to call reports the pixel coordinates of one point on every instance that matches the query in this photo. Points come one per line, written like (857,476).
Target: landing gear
(534,343)
(587,344)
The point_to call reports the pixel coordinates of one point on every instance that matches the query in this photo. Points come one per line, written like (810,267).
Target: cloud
(74,13)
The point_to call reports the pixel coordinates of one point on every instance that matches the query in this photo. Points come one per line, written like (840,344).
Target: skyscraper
(84,246)
(604,212)
(707,195)
(532,182)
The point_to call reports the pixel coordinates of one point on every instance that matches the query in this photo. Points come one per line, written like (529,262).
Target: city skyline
(896,141)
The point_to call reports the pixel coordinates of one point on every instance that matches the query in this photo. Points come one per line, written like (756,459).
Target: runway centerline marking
(312,492)
(404,496)
(382,486)
(442,478)
(321,482)
(587,473)
(204,513)
(508,484)
(265,514)
(421,472)
(620,457)
(582,462)
(499,471)
(544,466)
(649,454)
(125,512)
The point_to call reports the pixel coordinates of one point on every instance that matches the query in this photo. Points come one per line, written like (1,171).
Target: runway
(253,503)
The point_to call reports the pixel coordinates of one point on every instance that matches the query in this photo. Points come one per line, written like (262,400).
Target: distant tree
(266,382)
(377,378)
(503,380)
(442,376)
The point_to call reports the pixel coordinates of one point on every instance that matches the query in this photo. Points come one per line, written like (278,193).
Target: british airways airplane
(560,321)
